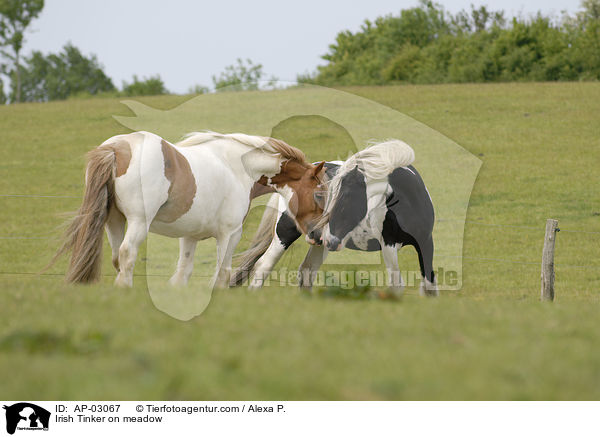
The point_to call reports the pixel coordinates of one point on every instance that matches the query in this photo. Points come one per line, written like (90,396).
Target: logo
(26,416)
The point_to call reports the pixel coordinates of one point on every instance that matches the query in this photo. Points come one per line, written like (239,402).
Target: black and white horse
(375,201)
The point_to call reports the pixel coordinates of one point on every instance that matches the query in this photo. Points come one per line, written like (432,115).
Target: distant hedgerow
(151,86)
(425,44)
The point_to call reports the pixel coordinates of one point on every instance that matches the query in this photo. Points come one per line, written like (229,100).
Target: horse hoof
(429,293)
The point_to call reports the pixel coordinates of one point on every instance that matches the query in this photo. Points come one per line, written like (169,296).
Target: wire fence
(62,274)
(41,196)
(465,257)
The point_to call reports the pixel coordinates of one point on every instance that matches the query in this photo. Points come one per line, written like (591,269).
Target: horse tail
(84,234)
(260,243)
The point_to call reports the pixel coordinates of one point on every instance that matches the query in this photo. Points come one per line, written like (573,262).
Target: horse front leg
(285,234)
(310,266)
(390,258)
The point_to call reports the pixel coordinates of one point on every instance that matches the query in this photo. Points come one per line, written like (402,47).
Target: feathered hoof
(122,282)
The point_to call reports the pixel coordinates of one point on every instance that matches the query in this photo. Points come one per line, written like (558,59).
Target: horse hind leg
(226,245)
(429,282)
(135,235)
(185,264)
(115,229)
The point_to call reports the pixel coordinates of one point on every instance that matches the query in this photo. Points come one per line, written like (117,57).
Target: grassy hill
(493,339)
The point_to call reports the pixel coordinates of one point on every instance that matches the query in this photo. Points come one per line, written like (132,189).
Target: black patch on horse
(331,169)
(393,234)
(351,205)
(410,203)
(286,230)
(410,216)
(372,245)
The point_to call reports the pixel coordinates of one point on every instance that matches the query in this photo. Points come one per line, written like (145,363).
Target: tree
(239,77)
(198,89)
(2,95)
(15,17)
(588,42)
(591,11)
(152,86)
(58,76)
(363,57)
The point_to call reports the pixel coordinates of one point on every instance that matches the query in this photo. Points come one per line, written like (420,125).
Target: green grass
(540,147)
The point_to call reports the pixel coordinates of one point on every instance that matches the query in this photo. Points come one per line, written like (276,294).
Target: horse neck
(279,183)
(248,163)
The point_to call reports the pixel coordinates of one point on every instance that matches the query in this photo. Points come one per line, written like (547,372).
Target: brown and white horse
(197,189)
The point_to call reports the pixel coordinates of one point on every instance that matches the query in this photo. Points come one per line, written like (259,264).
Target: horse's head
(301,183)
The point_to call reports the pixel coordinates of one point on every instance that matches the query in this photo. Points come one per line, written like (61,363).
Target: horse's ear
(318,168)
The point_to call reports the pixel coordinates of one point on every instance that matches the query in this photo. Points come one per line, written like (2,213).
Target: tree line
(423,44)
(426,44)
(40,77)
(69,73)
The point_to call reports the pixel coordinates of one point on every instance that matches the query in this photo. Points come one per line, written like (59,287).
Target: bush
(151,86)
(405,65)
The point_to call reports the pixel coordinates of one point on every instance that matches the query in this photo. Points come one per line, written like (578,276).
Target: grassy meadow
(540,147)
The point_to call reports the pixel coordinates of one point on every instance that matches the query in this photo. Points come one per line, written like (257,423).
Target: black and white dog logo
(26,416)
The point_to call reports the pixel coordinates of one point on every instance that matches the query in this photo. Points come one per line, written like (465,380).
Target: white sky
(186,42)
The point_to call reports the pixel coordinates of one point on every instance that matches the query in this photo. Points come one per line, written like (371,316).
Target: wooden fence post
(548,260)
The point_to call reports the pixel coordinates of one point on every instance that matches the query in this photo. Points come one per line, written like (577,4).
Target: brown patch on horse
(260,187)
(183,185)
(290,171)
(122,156)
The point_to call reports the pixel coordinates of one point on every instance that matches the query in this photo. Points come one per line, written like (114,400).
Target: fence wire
(537,228)
(470,222)
(41,196)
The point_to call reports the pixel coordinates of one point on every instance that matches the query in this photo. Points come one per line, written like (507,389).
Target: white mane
(376,162)
(197,138)
(266,144)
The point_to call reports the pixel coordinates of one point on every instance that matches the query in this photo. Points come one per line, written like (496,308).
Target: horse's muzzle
(333,243)
(314,238)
